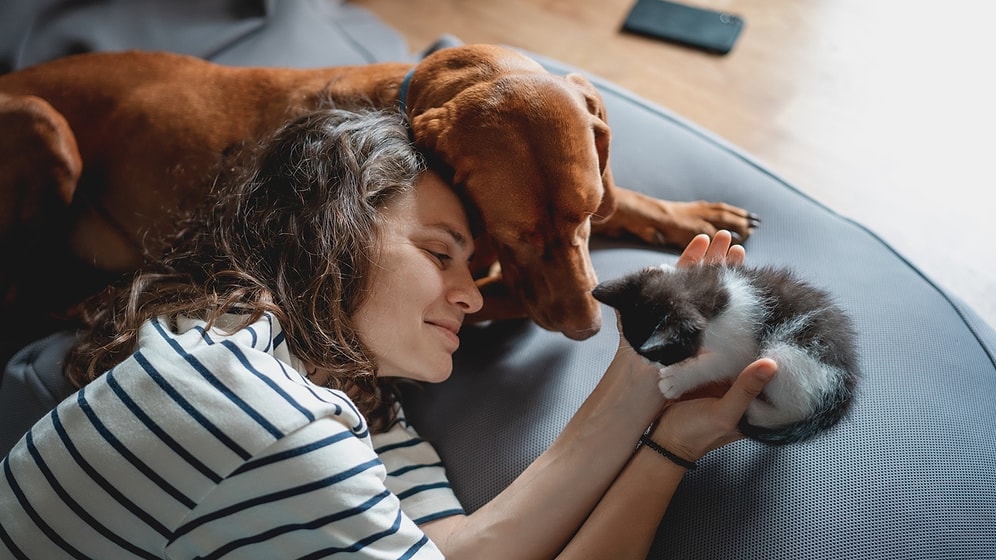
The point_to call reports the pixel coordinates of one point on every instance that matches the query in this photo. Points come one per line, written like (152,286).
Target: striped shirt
(208,445)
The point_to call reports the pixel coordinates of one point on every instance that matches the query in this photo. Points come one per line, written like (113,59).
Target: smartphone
(700,28)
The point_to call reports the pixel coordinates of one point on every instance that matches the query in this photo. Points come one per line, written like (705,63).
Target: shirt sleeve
(415,473)
(318,491)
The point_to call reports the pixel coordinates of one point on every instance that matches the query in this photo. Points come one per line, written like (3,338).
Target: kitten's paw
(668,387)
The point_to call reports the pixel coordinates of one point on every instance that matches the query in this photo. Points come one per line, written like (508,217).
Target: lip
(449,329)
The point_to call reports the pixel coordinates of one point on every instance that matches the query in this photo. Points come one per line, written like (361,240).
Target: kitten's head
(664,312)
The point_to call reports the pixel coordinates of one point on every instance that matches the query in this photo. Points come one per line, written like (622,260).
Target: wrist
(663,434)
(650,444)
(637,370)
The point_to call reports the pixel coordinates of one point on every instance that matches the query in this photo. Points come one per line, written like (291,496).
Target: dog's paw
(665,222)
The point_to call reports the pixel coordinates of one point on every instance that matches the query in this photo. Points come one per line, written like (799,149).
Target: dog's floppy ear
(431,129)
(602,135)
(40,184)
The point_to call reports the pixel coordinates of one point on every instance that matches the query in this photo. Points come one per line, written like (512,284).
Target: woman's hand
(692,428)
(718,250)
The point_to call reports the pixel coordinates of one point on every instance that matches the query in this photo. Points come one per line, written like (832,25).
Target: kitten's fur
(728,316)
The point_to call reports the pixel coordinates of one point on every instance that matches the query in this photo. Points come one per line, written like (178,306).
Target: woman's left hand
(718,250)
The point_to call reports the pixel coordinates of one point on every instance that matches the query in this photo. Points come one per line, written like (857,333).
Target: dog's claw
(754,220)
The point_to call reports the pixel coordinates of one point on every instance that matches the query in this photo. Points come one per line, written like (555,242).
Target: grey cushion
(301,33)
(909,475)
(32,384)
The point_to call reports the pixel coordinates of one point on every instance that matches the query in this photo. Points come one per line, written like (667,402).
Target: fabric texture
(209,445)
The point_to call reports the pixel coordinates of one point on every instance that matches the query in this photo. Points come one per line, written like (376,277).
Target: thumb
(748,386)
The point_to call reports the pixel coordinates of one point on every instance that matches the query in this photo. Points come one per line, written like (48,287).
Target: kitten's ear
(674,340)
(614,292)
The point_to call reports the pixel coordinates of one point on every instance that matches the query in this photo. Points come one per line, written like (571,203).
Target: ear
(674,339)
(38,186)
(602,137)
(431,130)
(614,292)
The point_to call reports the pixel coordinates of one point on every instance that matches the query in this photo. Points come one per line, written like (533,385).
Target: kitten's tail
(833,408)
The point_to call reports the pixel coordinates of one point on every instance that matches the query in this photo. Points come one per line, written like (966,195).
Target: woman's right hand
(693,428)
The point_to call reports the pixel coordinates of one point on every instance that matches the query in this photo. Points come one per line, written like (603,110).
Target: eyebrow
(458,237)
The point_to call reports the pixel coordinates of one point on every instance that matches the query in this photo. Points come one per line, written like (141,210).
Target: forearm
(625,521)
(543,508)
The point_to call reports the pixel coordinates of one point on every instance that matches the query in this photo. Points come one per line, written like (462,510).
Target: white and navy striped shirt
(206,445)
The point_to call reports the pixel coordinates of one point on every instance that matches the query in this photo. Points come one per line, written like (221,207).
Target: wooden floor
(881,109)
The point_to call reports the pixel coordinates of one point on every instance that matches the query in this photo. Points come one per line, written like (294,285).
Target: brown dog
(109,144)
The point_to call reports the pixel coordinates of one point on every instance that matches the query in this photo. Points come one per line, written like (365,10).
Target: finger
(716,254)
(736,255)
(747,387)
(695,251)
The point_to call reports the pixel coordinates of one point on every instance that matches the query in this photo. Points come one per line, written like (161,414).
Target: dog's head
(530,151)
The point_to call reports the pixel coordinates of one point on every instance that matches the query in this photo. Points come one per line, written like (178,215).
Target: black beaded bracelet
(645,440)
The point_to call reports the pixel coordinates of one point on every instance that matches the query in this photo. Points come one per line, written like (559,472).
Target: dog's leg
(664,222)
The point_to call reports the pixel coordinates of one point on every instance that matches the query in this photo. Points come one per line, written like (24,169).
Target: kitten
(706,323)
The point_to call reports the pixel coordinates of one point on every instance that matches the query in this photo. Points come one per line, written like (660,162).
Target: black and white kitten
(706,323)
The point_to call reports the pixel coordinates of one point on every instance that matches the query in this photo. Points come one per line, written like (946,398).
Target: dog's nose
(581,327)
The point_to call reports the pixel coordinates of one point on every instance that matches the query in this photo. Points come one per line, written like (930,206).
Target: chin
(440,372)
(440,376)
(427,374)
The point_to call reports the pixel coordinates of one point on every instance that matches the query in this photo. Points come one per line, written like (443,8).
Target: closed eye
(443,259)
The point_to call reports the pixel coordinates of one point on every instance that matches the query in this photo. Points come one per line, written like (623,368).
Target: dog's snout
(577,319)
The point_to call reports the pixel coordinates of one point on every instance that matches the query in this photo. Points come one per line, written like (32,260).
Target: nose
(465,293)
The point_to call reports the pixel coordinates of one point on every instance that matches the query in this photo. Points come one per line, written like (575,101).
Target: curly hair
(289,229)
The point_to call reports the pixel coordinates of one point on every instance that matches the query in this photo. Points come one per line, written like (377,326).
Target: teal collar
(403,92)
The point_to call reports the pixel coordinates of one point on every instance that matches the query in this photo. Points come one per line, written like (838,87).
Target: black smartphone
(709,30)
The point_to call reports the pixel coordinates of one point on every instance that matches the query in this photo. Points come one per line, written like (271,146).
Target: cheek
(382,315)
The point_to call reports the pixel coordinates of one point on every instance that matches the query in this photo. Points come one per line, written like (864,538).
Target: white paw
(668,387)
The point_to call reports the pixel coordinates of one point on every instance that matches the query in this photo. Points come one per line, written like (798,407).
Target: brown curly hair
(289,229)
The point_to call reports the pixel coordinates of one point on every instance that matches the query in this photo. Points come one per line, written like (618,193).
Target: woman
(246,410)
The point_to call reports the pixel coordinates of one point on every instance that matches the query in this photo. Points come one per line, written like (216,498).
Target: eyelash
(443,258)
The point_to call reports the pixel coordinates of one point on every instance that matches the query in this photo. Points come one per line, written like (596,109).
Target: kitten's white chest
(730,342)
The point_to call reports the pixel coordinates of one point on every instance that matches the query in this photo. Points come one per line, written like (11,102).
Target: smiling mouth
(448,332)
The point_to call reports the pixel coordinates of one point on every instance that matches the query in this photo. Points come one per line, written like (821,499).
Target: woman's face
(421,286)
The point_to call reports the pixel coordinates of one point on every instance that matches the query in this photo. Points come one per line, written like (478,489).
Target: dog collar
(403,92)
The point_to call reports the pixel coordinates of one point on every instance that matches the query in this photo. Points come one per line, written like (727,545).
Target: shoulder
(243,382)
(415,473)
